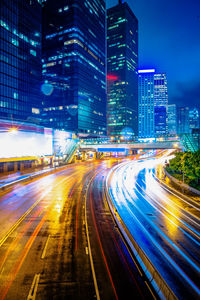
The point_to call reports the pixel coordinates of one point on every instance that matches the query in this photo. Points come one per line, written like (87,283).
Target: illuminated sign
(23,144)
(112,77)
(111,149)
(146,71)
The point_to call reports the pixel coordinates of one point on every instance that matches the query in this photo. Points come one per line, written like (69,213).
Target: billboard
(16,143)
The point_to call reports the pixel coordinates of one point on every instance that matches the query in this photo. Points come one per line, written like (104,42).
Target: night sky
(169,40)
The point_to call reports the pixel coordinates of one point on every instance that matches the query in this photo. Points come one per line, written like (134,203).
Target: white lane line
(45,248)
(34,287)
(86,250)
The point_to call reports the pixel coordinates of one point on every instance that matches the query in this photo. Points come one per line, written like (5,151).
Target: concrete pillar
(83,155)
(5,167)
(15,166)
(95,155)
(21,166)
(33,164)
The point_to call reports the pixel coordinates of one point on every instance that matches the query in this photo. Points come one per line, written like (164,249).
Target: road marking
(86,250)
(45,248)
(41,212)
(89,246)
(34,287)
(150,289)
(26,213)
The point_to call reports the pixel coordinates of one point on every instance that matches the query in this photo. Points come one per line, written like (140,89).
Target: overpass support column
(134,152)
(83,155)
(95,155)
(33,164)
(15,166)
(21,166)
(5,167)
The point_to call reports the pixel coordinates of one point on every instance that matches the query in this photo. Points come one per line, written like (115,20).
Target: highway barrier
(181,184)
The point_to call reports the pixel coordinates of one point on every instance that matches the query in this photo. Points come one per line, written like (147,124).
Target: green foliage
(186,165)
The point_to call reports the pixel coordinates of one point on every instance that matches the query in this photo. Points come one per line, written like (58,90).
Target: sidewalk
(9,179)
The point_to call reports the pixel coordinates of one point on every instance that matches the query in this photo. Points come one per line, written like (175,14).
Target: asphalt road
(59,241)
(164,223)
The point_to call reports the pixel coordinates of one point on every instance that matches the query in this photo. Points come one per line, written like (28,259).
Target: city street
(59,241)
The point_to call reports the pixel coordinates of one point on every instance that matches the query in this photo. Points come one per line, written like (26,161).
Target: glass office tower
(74,80)
(20,59)
(160,104)
(183,120)
(153,104)
(193,118)
(146,103)
(122,64)
(172,119)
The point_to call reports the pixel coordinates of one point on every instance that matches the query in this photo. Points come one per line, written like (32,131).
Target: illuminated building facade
(153,103)
(20,59)
(122,79)
(160,104)
(172,119)
(74,81)
(183,120)
(146,103)
(193,118)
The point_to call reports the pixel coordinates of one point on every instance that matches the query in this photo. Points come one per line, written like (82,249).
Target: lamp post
(182,164)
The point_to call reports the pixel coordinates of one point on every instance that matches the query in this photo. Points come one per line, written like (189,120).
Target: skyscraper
(146,103)
(193,118)
(153,103)
(74,65)
(160,103)
(122,64)
(183,120)
(20,59)
(172,119)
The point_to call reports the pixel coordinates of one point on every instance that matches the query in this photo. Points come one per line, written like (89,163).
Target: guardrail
(158,283)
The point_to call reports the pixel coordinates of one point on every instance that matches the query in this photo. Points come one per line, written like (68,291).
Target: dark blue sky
(169,40)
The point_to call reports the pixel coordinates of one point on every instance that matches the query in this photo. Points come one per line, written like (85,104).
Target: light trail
(126,192)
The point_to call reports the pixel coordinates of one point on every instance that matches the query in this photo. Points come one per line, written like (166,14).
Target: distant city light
(146,71)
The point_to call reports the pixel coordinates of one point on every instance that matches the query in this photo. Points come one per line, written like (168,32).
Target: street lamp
(182,164)
(13,130)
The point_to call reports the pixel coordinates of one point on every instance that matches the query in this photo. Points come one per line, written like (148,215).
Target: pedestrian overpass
(129,146)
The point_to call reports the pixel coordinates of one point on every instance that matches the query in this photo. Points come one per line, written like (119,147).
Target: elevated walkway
(122,147)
